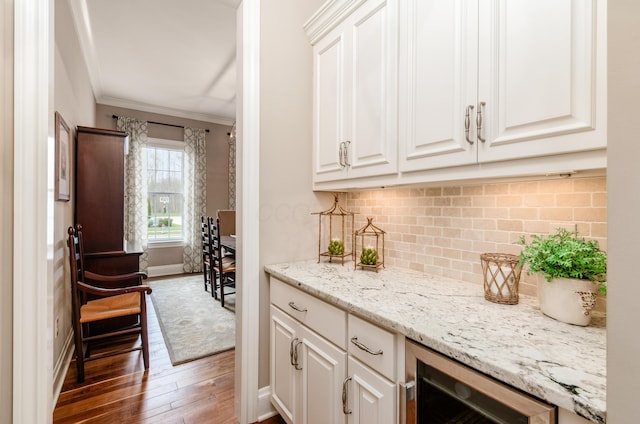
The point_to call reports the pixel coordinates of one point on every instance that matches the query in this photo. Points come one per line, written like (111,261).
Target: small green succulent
(336,247)
(368,256)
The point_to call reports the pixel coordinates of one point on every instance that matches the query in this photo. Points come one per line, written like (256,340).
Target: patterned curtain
(232,167)
(135,190)
(195,196)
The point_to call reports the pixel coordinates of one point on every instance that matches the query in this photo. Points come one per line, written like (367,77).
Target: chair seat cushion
(110,307)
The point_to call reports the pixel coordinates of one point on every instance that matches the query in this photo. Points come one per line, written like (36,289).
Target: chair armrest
(99,291)
(115,278)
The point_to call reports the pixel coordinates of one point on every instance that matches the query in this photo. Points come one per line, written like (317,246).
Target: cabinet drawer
(373,345)
(323,318)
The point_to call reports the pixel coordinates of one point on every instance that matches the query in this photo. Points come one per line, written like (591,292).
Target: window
(165,192)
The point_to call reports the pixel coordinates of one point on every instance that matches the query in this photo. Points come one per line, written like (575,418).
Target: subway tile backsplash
(444,230)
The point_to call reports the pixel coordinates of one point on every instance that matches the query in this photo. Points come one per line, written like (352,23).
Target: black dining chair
(224,266)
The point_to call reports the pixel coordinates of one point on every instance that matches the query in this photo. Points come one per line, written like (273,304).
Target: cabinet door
(322,375)
(329,56)
(438,81)
(283,373)
(372,398)
(355,90)
(541,77)
(372,86)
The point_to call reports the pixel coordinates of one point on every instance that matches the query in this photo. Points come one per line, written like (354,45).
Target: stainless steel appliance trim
(537,411)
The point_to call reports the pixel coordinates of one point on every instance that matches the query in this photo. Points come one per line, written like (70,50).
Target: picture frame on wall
(63,160)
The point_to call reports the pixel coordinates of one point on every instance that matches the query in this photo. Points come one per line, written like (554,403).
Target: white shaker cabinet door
(329,132)
(372,398)
(283,372)
(541,81)
(496,80)
(373,89)
(355,95)
(322,375)
(437,83)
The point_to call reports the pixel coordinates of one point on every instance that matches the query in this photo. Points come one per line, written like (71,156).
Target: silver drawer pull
(355,341)
(297,308)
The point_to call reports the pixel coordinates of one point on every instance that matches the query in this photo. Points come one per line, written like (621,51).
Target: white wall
(74,100)
(288,231)
(623,316)
(6,211)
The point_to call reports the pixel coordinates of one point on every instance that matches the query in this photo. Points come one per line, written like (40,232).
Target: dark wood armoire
(100,155)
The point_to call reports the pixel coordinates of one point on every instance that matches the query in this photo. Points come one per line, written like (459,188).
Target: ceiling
(164,56)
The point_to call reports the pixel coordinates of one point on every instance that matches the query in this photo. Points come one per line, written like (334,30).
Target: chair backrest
(226,222)
(216,248)
(206,237)
(76,266)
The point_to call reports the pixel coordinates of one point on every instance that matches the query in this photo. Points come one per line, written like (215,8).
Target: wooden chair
(92,304)
(224,267)
(207,257)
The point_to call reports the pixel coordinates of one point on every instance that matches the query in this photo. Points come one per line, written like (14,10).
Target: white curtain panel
(195,196)
(232,168)
(135,192)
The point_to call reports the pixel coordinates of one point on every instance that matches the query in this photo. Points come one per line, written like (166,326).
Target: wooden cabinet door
(541,77)
(283,374)
(437,82)
(321,379)
(100,188)
(372,398)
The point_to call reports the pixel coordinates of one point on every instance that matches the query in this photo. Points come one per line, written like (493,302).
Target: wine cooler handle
(408,402)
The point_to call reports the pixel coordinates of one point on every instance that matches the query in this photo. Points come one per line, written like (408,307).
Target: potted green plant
(572,271)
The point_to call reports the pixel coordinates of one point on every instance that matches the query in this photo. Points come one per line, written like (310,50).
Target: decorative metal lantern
(372,246)
(332,238)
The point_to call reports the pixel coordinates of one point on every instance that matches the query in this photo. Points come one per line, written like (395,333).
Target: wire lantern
(332,230)
(372,246)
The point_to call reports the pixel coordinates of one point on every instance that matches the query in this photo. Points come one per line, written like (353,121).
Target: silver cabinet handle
(345,399)
(291,348)
(346,153)
(479,120)
(297,308)
(367,349)
(341,154)
(467,123)
(293,353)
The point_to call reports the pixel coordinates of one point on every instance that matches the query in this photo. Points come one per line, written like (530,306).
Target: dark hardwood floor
(118,390)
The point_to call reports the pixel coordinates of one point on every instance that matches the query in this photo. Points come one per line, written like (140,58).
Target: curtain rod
(161,123)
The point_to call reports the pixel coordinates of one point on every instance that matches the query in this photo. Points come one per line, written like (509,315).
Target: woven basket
(501,277)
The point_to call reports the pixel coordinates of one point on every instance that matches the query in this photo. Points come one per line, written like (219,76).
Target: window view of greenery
(165,193)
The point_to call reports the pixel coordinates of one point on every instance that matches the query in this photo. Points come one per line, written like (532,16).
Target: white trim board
(161,270)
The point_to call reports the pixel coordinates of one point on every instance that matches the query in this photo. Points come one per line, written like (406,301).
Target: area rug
(193,324)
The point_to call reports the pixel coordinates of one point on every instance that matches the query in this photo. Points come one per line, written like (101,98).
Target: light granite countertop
(516,344)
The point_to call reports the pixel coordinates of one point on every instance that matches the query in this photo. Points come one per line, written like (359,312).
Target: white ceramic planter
(567,300)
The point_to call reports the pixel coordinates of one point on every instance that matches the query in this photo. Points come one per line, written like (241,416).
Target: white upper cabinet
(437,80)
(355,90)
(495,80)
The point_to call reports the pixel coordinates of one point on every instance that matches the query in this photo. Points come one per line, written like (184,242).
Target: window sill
(164,244)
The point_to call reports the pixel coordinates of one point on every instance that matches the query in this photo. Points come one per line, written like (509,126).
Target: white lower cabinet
(371,398)
(315,377)
(307,373)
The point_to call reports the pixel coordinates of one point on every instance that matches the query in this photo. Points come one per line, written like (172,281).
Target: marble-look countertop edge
(535,377)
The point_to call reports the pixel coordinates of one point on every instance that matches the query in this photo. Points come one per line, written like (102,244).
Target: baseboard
(265,409)
(62,366)
(161,270)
